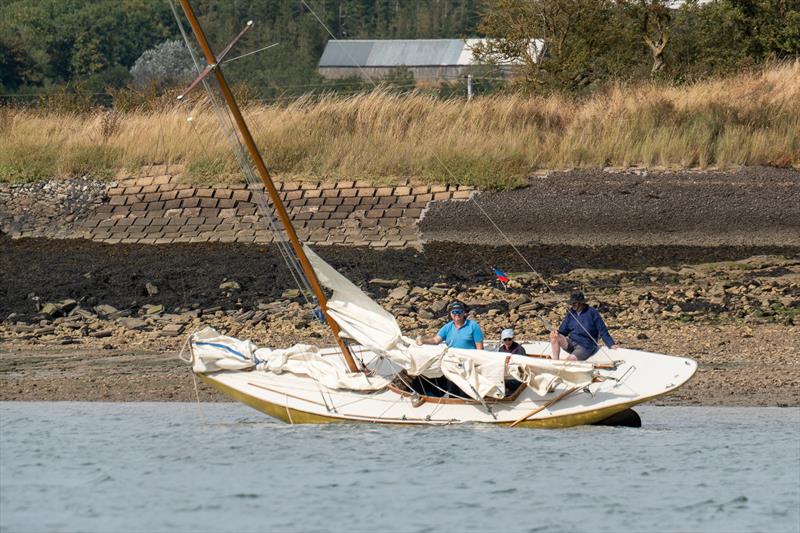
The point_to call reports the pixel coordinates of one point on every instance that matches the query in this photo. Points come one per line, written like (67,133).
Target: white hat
(507,334)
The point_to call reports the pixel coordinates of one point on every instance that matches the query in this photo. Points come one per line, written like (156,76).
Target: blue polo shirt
(576,326)
(464,337)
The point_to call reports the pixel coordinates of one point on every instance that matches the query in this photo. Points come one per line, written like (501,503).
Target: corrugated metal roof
(396,52)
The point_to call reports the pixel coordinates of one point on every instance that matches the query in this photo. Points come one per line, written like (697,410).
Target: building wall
(424,74)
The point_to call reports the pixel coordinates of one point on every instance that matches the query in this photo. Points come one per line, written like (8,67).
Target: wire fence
(446,86)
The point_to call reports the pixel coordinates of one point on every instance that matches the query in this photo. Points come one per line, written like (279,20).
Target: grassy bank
(492,142)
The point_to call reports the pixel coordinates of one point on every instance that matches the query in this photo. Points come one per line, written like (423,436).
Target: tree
(72,40)
(656,18)
(585,41)
(16,66)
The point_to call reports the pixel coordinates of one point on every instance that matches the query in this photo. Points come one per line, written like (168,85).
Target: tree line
(94,45)
(589,42)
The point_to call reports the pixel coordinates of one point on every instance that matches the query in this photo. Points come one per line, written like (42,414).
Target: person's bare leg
(555,349)
(557,342)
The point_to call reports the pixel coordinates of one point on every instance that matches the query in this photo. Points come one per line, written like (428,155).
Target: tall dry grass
(492,142)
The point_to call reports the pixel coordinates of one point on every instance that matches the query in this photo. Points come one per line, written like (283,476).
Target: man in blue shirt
(460,332)
(580,331)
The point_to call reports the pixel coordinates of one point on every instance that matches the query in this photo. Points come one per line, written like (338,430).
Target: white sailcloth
(476,372)
(360,317)
(212,352)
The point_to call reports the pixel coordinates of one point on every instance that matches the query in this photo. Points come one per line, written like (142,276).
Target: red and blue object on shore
(501,276)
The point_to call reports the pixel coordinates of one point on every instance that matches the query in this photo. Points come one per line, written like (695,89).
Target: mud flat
(752,206)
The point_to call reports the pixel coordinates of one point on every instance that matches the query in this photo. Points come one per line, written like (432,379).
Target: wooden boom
(280,209)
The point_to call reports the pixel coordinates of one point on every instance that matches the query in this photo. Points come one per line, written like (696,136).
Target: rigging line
(244,164)
(367,76)
(250,53)
(279,238)
(288,257)
(439,406)
(197,397)
(391,405)
(260,195)
(451,395)
(516,250)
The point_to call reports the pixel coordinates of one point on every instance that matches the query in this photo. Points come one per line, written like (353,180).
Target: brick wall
(157,207)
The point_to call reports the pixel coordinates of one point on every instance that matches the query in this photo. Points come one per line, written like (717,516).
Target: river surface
(223,467)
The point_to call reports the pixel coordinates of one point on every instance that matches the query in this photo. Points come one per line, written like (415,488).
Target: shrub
(167,65)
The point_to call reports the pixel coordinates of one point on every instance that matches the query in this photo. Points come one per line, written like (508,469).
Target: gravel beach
(107,323)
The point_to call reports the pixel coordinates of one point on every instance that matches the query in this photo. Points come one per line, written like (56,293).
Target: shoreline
(746,376)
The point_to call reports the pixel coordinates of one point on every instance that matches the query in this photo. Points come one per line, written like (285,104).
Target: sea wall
(159,207)
(749,207)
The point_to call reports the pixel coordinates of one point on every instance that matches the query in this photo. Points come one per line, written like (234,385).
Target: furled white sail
(360,317)
(212,352)
(482,374)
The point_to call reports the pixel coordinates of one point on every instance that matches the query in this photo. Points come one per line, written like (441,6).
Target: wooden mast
(267,180)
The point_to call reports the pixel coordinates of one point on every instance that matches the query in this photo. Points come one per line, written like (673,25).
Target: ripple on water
(164,467)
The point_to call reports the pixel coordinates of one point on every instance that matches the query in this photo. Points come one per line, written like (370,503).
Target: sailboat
(373,372)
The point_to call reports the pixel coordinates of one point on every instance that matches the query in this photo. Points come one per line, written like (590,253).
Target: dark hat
(577,297)
(456,305)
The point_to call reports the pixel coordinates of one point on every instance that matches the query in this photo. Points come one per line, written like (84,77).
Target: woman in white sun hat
(508,345)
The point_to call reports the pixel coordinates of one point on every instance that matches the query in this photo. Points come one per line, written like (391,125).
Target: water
(224,467)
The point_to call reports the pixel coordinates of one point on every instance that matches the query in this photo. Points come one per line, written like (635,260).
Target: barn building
(430,60)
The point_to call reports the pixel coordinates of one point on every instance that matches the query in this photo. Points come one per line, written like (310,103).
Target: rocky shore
(100,332)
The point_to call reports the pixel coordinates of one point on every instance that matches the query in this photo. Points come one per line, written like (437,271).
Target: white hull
(638,377)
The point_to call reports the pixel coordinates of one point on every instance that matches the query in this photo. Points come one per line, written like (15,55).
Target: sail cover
(359,316)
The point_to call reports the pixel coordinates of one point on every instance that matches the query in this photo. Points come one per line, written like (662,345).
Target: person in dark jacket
(508,345)
(580,331)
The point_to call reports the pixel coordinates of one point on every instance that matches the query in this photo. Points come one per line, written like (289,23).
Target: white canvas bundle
(212,352)
(425,360)
(477,375)
(304,359)
(543,375)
